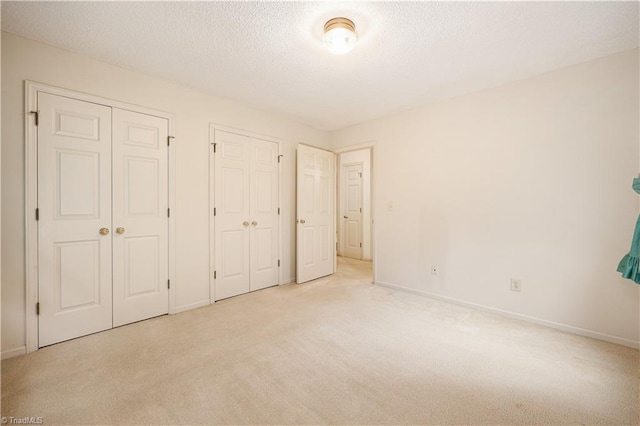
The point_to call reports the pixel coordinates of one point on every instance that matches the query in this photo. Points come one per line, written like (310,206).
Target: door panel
(315,203)
(76,287)
(231,234)
(233,256)
(264,185)
(351,177)
(74,200)
(141,267)
(141,189)
(140,203)
(77,184)
(263,240)
(324,254)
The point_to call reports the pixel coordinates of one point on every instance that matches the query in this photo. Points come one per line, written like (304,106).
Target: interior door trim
(212,130)
(31,91)
(371,147)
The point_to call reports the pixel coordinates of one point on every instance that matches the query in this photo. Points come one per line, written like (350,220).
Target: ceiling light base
(340,35)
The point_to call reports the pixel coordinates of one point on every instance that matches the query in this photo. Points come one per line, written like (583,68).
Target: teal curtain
(629,266)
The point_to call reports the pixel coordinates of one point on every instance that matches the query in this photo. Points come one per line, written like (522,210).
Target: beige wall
(23,59)
(531,180)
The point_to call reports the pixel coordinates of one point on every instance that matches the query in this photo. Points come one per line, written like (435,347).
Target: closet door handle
(104,231)
(303,221)
(254,223)
(245,223)
(120,230)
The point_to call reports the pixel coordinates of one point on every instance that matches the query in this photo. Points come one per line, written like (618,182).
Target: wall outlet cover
(516,284)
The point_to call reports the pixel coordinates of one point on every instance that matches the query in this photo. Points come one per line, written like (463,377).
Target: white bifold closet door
(246,226)
(140,217)
(103,227)
(74,204)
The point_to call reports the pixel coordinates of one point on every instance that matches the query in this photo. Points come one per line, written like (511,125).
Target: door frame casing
(31,90)
(371,147)
(212,185)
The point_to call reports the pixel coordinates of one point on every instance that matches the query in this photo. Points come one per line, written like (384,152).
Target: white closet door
(140,219)
(316,249)
(263,166)
(232,220)
(74,202)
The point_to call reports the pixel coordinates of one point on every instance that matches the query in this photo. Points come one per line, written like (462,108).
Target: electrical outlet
(516,285)
(434,270)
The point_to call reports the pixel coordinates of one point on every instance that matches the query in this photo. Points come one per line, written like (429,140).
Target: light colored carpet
(338,350)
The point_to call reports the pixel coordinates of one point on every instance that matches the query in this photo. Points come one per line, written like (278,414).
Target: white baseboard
(191,306)
(558,326)
(287,281)
(10,353)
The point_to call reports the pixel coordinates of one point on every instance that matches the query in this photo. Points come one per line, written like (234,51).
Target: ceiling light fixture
(339,35)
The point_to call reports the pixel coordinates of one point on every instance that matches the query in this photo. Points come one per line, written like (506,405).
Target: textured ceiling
(269,54)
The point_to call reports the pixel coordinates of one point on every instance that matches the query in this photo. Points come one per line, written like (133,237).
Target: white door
(351,177)
(74,204)
(316,249)
(246,214)
(232,221)
(140,217)
(263,208)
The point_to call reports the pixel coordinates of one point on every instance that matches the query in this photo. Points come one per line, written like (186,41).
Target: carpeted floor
(337,350)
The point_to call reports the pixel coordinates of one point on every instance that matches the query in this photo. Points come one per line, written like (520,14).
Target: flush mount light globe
(339,35)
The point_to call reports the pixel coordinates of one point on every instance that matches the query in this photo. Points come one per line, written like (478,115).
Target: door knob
(245,223)
(104,231)
(254,223)
(346,217)
(120,230)
(302,221)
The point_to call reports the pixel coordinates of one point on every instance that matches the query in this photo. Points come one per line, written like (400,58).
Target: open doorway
(354,209)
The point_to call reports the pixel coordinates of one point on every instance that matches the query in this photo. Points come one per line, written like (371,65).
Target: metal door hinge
(215,274)
(37,116)
(38,308)
(278,263)
(278,210)
(279,157)
(214,147)
(37,214)
(360,175)
(360,209)
(168,212)
(168,283)
(169,140)
(360,244)
(215,211)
